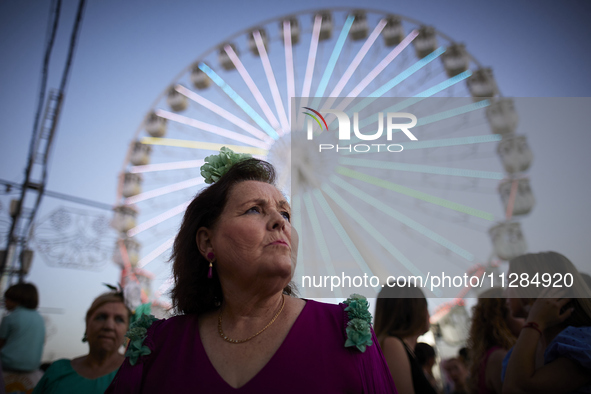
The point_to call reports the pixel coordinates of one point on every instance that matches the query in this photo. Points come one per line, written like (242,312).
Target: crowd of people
(238,325)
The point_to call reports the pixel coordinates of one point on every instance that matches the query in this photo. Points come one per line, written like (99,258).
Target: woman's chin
(285,272)
(280,270)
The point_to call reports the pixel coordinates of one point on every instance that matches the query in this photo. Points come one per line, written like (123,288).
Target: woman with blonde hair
(492,333)
(553,351)
(107,320)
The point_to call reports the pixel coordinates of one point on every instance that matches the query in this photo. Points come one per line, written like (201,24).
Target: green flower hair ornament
(359,327)
(217,165)
(136,334)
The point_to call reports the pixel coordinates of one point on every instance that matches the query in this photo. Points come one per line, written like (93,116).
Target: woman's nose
(110,323)
(276,220)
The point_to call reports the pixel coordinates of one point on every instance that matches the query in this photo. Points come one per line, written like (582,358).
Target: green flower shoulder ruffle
(359,326)
(217,165)
(136,334)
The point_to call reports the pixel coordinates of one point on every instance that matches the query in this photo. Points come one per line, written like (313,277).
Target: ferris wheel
(438,202)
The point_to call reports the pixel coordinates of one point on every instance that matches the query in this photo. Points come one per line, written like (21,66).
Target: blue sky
(128,52)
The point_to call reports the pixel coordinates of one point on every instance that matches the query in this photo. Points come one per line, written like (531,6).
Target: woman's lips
(279,242)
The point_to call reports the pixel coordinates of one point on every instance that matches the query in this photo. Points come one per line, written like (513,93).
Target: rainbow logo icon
(315,118)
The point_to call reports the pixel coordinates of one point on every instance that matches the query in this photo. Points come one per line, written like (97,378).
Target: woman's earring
(210,257)
(84,338)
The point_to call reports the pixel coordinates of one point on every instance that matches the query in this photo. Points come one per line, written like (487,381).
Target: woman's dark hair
(24,294)
(400,311)
(424,353)
(193,291)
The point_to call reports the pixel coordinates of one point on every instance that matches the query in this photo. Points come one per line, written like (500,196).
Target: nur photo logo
(344,129)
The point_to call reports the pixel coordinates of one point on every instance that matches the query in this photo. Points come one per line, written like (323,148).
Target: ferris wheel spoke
(376,71)
(212,129)
(312,56)
(162,271)
(289,71)
(425,120)
(272,82)
(430,92)
(357,60)
(435,117)
(383,64)
(296,209)
(367,198)
(461,141)
(332,61)
(340,231)
(392,82)
(310,66)
(444,85)
(164,190)
(479,139)
(266,127)
(177,165)
(398,79)
(371,230)
(158,219)
(223,113)
(452,112)
(414,193)
(319,237)
(156,253)
(423,169)
(355,63)
(165,286)
(202,145)
(252,86)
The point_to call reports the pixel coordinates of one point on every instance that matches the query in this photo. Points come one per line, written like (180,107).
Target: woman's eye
(286,215)
(119,319)
(254,209)
(101,317)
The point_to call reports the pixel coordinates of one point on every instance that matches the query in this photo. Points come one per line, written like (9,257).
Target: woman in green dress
(107,321)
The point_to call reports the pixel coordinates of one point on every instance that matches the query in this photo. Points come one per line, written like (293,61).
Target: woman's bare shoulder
(497,356)
(394,343)
(393,350)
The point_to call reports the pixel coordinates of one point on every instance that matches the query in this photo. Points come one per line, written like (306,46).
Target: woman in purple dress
(239,328)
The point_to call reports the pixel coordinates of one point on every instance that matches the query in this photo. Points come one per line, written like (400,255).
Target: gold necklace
(227,339)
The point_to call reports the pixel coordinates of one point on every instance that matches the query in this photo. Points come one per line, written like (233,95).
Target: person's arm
(42,386)
(493,370)
(399,365)
(559,376)
(4,330)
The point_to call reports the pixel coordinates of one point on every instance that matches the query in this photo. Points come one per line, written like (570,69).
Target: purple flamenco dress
(312,359)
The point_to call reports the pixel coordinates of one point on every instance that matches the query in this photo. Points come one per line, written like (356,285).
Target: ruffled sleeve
(358,322)
(141,345)
(573,343)
(360,337)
